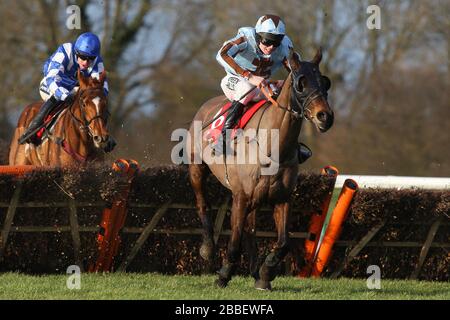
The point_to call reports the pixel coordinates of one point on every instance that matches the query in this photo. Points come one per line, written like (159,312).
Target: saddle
(48,124)
(215,128)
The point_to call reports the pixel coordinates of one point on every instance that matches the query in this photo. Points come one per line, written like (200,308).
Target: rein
(297,98)
(268,93)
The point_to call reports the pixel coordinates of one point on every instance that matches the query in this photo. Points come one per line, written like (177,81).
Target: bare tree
(160,58)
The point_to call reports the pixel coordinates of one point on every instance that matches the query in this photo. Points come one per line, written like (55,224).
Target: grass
(161,287)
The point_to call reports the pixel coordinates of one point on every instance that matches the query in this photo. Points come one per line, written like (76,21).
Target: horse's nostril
(97,139)
(322,116)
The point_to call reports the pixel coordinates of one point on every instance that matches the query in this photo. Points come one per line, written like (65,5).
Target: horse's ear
(82,80)
(294,60)
(318,57)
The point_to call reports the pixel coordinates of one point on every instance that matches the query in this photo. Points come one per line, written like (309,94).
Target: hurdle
(113,218)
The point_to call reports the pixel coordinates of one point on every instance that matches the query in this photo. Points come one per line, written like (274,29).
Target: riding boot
(234,114)
(304,152)
(36,123)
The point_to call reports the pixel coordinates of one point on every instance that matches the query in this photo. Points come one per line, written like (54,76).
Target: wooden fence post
(9,218)
(357,248)
(143,237)
(75,231)
(426,246)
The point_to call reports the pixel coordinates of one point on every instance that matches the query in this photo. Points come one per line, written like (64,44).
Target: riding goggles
(85,58)
(269,42)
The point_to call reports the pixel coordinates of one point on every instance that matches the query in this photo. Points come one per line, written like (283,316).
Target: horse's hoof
(267,273)
(206,251)
(263,285)
(221,283)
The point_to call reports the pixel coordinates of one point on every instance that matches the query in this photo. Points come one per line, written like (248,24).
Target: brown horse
(78,136)
(303,95)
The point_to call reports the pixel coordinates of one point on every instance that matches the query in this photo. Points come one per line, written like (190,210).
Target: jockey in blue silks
(60,81)
(249,59)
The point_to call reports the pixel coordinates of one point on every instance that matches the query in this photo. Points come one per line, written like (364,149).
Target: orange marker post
(316,224)
(334,226)
(113,218)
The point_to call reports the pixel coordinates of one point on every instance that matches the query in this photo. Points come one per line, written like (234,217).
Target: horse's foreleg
(238,214)
(198,174)
(249,241)
(268,269)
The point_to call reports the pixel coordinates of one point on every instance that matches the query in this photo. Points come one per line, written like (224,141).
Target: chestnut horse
(303,95)
(78,136)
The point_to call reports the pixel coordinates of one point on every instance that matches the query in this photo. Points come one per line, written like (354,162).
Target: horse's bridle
(85,124)
(303,98)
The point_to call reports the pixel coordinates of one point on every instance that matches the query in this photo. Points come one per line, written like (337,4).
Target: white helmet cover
(270,23)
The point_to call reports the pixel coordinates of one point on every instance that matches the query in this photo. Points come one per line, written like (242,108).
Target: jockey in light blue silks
(60,81)
(249,59)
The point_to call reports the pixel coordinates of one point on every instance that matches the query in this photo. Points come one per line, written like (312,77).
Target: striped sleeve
(229,51)
(97,70)
(55,73)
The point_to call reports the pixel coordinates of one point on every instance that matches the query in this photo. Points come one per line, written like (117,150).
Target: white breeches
(235,87)
(43,91)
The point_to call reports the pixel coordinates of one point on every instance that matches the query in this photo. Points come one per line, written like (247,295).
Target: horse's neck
(289,127)
(75,134)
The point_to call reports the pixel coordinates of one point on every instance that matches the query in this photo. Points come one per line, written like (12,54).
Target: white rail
(396,182)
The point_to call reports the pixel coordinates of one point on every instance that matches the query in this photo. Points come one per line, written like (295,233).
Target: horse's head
(94,108)
(310,91)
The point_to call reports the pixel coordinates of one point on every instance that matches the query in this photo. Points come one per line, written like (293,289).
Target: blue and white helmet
(87,44)
(270,27)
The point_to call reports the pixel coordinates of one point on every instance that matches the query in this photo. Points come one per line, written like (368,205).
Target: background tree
(389,86)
